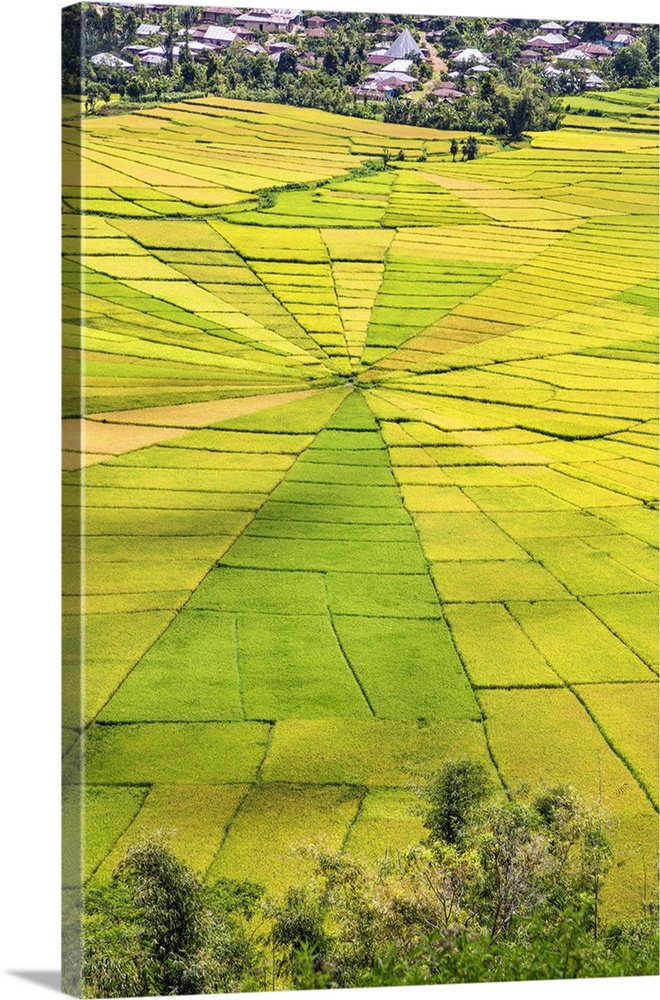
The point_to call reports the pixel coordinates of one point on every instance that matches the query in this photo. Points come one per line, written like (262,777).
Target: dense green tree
(470,148)
(451,39)
(631,65)
(512,893)
(129,28)
(453,792)
(109,27)
(649,34)
(95,92)
(169,41)
(330,61)
(287,63)
(593,31)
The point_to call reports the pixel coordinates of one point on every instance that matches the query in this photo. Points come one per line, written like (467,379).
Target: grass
(190,674)
(584,570)
(174,753)
(320,555)
(387,823)
(291,666)
(375,753)
(633,619)
(191,819)
(627,715)
(465,536)
(395,595)
(108,662)
(274,826)
(408,668)
(235,590)
(294,602)
(552,627)
(563,746)
(495,650)
(507,580)
(107,811)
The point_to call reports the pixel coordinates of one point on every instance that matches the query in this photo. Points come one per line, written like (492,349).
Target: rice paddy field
(369,479)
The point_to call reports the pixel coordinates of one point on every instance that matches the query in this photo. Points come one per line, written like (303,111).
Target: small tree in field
(453,149)
(452,794)
(470,148)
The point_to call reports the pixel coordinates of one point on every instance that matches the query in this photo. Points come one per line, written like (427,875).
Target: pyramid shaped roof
(404,47)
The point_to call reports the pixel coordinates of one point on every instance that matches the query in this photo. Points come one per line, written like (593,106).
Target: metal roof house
(110,60)
(146,30)
(403,47)
(219,36)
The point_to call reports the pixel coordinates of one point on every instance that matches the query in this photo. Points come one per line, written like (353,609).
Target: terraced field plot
(369,478)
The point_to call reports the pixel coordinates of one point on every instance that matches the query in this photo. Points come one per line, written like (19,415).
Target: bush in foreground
(502,889)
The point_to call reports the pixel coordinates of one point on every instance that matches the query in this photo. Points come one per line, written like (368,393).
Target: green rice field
(369,478)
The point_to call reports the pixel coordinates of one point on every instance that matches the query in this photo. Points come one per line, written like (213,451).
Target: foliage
(521,100)
(632,67)
(504,889)
(451,40)
(452,794)
(593,31)
(156,930)
(470,148)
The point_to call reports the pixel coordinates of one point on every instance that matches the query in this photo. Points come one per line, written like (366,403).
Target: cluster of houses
(555,46)
(392,65)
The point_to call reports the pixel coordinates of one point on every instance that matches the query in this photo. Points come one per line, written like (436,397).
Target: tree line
(502,888)
(508,102)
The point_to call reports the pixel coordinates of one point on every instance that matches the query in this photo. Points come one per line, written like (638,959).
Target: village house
(402,81)
(147,30)
(152,59)
(398,66)
(447,93)
(373,90)
(468,57)
(551,28)
(553,72)
(618,39)
(315,22)
(594,82)
(404,46)
(218,36)
(110,61)
(549,43)
(199,48)
(279,46)
(530,56)
(244,34)
(378,58)
(595,50)
(219,15)
(574,55)
(268,20)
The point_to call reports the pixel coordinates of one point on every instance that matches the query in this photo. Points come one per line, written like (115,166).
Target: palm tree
(168,44)
(189,17)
